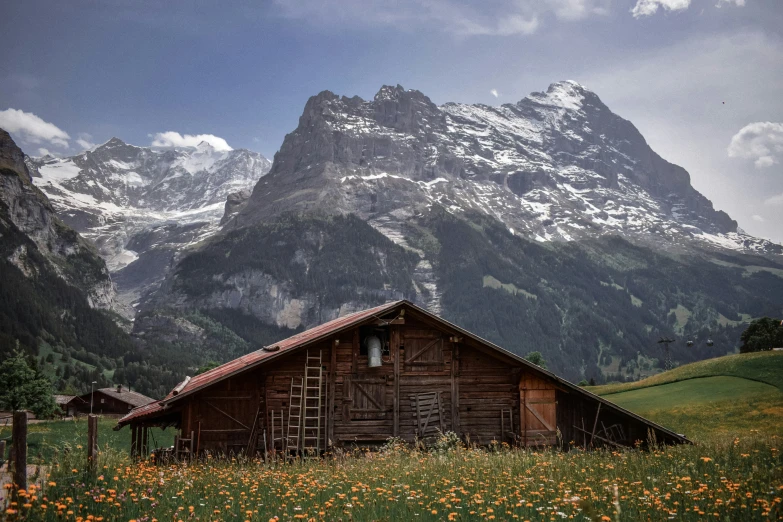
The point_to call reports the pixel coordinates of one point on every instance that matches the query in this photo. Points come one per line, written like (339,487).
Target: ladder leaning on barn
(306,412)
(294,431)
(313,406)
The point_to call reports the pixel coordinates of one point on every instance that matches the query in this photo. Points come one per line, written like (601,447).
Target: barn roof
(62,400)
(330,328)
(123,394)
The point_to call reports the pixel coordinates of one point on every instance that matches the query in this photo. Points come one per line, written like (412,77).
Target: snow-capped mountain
(132,200)
(502,219)
(557,165)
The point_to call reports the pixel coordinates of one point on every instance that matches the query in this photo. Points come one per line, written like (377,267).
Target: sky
(701,79)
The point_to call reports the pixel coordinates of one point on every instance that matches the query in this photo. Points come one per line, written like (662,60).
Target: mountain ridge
(142,206)
(549,224)
(537,165)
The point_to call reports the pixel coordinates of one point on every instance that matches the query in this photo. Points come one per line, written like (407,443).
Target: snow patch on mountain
(556,166)
(116,191)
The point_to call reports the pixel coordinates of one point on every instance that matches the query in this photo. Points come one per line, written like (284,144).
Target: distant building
(69,405)
(116,401)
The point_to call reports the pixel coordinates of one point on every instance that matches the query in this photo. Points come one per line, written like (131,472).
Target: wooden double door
(538,412)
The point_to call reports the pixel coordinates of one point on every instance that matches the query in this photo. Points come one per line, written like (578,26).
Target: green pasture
(45,440)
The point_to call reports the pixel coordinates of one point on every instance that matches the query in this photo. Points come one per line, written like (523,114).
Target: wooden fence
(18,450)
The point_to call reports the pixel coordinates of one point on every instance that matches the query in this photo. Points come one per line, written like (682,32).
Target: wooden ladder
(313,406)
(277,443)
(184,448)
(295,405)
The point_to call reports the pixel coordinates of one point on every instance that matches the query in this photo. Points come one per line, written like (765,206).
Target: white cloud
(494,92)
(650,7)
(43,151)
(761,141)
(32,129)
(85,141)
(175,139)
(577,9)
(459,17)
(758,218)
(774,200)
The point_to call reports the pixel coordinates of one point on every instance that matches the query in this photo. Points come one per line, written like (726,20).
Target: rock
(29,210)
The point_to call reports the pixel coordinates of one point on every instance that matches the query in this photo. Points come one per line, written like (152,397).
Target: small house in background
(391,371)
(69,405)
(113,401)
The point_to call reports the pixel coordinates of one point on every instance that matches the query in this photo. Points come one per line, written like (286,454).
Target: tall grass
(724,480)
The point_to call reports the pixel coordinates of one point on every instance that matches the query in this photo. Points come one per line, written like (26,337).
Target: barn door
(428,412)
(539,417)
(423,353)
(368,398)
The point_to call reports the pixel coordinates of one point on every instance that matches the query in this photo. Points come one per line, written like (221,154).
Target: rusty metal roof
(252,359)
(139,412)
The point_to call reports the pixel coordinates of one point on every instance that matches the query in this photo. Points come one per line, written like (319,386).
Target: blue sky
(242,71)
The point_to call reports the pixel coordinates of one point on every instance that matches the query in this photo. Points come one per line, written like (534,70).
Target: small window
(102,401)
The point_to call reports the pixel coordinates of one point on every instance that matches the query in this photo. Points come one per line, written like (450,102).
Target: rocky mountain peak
(557,165)
(566,94)
(405,111)
(114,142)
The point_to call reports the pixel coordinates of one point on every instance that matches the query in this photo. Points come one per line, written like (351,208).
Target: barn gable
(394,370)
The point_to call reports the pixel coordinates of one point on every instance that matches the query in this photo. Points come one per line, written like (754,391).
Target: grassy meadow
(729,396)
(733,472)
(48,440)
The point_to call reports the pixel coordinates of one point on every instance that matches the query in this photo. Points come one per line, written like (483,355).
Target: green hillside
(764,367)
(736,395)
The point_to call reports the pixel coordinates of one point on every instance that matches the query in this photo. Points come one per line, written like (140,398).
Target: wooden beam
(227,415)
(133,441)
(384,322)
(332,392)
(455,389)
(355,351)
(595,423)
(600,438)
(229,398)
(395,348)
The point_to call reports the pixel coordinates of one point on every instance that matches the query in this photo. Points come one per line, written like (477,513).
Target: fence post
(2,452)
(92,440)
(20,449)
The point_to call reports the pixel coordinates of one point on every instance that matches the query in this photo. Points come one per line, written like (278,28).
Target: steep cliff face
(25,209)
(558,165)
(294,271)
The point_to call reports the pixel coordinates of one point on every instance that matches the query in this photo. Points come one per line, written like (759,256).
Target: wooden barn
(394,370)
(69,405)
(112,401)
